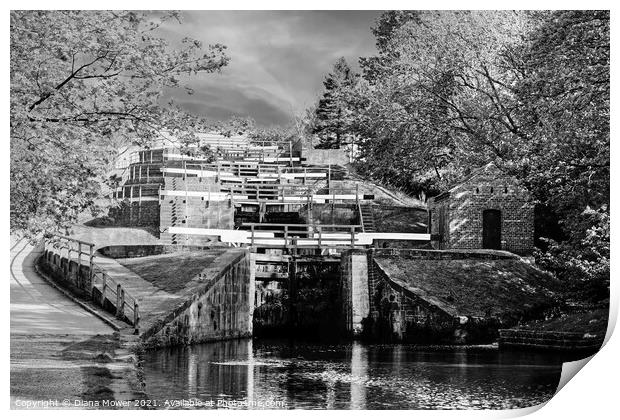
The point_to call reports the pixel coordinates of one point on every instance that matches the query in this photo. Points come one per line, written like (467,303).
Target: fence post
(91,258)
(79,255)
(118,301)
(136,318)
(286,236)
(352,236)
(103,291)
(131,203)
(329,174)
(290,152)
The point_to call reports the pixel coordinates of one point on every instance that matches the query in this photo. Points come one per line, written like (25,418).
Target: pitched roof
(469,177)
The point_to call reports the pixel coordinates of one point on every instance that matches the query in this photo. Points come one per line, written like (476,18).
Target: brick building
(487,210)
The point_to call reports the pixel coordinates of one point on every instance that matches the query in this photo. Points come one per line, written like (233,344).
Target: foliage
(450,91)
(565,162)
(332,117)
(583,260)
(437,99)
(82,84)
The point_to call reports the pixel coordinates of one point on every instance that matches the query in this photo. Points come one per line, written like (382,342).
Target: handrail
(292,241)
(313,225)
(123,300)
(247,166)
(334,194)
(359,210)
(71,239)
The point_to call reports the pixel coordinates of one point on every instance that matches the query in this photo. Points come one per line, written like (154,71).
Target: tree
(332,115)
(565,162)
(450,91)
(82,83)
(384,30)
(438,99)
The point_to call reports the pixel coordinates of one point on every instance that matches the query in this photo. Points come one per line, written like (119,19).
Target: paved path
(38,308)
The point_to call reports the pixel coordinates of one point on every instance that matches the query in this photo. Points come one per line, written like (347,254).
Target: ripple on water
(315,376)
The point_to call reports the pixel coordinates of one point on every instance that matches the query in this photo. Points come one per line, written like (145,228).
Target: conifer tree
(332,114)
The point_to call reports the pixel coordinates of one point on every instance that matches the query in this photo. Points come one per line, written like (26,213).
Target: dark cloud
(220,101)
(278,59)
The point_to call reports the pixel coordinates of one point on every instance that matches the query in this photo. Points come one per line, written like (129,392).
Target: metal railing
(75,250)
(126,306)
(304,235)
(241,169)
(71,245)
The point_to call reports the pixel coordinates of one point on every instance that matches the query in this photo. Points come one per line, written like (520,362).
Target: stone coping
(437,254)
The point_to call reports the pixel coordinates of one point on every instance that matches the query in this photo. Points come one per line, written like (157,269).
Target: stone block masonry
(136,214)
(196,212)
(355,287)
(217,304)
(434,296)
(550,340)
(456,217)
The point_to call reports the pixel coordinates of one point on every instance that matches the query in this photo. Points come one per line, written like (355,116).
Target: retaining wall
(550,340)
(220,308)
(379,306)
(67,272)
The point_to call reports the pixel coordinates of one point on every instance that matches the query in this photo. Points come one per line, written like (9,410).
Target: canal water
(285,374)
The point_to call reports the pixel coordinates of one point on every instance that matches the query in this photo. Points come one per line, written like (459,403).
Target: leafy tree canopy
(563,102)
(82,83)
(450,91)
(438,96)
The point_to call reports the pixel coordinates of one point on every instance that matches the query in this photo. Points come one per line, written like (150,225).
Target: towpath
(53,341)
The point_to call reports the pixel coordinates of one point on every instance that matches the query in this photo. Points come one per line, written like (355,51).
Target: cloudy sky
(278,59)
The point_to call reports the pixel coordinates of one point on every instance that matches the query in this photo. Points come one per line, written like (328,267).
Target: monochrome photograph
(306,209)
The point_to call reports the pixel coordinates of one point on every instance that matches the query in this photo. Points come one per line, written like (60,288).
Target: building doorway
(492,229)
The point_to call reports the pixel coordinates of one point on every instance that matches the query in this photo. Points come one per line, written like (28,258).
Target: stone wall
(222,309)
(195,212)
(379,307)
(330,214)
(354,281)
(550,340)
(136,214)
(398,314)
(325,157)
(67,272)
(376,308)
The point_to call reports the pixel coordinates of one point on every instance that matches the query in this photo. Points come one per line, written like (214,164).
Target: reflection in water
(351,376)
(359,369)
